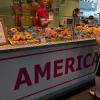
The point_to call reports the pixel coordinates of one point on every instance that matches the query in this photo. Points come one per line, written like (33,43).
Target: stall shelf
(12,47)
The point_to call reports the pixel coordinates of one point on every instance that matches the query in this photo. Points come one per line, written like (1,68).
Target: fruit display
(17,37)
(96,32)
(38,35)
(58,34)
(83,31)
(34,35)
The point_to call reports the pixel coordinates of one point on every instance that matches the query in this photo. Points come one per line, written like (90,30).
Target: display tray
(11,47)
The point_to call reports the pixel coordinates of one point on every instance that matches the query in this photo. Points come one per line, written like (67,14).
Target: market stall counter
(30,72)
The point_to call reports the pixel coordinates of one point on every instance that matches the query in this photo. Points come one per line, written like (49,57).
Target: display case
(39,63)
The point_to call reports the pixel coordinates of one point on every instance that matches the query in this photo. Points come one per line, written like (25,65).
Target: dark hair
(91,17)
(75,11)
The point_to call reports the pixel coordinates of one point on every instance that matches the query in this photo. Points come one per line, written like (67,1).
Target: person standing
(91,21)
(42,13)
(76,16)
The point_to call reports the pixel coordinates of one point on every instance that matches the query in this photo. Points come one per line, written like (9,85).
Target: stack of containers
(26,18)
(34,14)
(16,7)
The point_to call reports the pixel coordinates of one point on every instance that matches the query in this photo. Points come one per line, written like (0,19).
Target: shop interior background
(58,8)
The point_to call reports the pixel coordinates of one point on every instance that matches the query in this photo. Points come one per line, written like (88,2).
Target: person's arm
(96,32)
(97,37)
(44,18)
(45,21)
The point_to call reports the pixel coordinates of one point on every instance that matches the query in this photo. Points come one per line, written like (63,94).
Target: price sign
(2,33)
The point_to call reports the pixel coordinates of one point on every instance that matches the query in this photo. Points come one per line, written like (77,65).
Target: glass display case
(36,62)
(21,20)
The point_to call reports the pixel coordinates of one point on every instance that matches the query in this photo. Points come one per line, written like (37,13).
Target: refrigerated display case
(37,64)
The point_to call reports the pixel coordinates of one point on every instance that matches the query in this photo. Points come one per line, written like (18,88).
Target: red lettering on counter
(58,66)
(55,69)
(87,60)
(69,64)
(20,81)
(79,58)
(42,71)
(95,58)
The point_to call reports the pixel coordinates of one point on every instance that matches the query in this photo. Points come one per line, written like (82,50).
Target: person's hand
(96,32)
(50,20)
(51,16)
(45,21)
(97,37)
